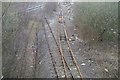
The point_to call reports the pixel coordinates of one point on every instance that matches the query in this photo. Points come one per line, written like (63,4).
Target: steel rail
(71,52)
(63,62)
(50,53)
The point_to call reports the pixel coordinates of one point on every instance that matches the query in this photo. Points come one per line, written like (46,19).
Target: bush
(100,19)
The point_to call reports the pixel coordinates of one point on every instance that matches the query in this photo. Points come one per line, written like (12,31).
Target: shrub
(100,17)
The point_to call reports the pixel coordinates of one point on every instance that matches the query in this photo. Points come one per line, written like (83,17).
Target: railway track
(30,47)
(57,59)
(66,61)
(67,51)
(63,59)
(68,54)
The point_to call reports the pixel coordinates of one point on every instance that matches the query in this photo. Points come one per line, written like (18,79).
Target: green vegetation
(10,21)
(98,20)
(9,24)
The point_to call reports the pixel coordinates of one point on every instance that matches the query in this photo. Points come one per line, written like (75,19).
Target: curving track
(66,65)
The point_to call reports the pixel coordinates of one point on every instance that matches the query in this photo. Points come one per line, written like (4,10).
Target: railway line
(63,59)
(68,54)
(47,46)
(65,66)
(57,59)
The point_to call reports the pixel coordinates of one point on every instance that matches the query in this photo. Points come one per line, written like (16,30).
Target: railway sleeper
(63,38)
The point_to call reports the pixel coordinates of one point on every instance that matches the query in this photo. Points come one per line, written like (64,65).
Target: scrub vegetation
(97,21)
(10,22)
